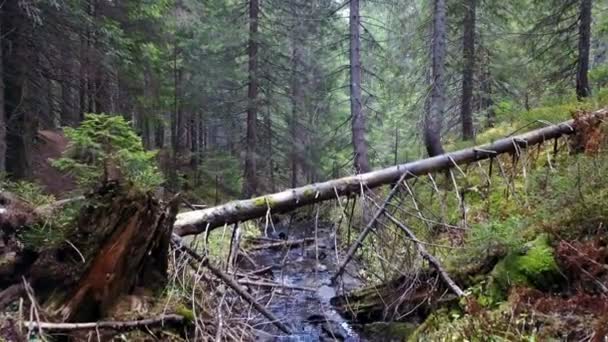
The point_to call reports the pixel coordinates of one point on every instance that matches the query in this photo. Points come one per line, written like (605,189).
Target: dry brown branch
(113,325)
(10,294)
(232,283)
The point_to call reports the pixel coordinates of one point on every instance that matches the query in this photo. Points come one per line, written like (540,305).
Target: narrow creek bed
(303,274)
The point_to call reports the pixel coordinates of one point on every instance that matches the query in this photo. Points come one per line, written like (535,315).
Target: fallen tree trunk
(199,221)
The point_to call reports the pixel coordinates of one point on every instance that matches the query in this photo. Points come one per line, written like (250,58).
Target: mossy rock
(533,265)
(389,331)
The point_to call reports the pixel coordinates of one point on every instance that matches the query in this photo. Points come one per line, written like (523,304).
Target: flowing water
(308,313)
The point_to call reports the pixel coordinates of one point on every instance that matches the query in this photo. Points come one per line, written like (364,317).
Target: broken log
(198,221)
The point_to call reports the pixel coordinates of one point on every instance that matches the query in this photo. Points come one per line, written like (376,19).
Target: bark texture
(468,70)
(2,116)
(583,89)
(356,101)
(436,106)
(251,182)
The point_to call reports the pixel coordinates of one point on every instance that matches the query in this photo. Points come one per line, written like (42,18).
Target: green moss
(532,265)
(309,191)
(185,312)
(264,201)
(389,331)
(259,201)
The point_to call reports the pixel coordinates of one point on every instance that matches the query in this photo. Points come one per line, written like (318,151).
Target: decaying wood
(118,241)
(118,326)
(232,283)
(199,221)
(413,295)
(282,244)
(10,294)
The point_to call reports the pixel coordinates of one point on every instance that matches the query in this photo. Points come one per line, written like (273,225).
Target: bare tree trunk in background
(251,182)
(18,61)
(584,44)
(69,115)
(270,156)
(296,110)
(83,87)
(468,56)
(486,100)
(436,107)
(2,114)
(356,109)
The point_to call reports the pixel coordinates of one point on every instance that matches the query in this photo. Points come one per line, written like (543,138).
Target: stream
(309,265)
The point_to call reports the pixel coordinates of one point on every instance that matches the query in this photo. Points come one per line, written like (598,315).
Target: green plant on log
(103,144)
(52,231)
(27,191)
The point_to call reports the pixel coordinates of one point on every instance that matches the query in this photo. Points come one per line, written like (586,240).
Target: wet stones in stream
(307,265)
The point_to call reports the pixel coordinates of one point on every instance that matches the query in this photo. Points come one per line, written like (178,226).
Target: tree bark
(251,182)
(583,89)
(436,107)
(356,101)
(20,124)
(198,221)
(296,111)
(468,71)
(2,113)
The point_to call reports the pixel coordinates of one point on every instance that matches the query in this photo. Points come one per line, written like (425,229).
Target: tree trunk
(468,71)
(2,113)
(198,221)
(436,107)
(69,115)
(356,101)
(18,90)
(250,186)
(296,111)
(486,101)
(583,89)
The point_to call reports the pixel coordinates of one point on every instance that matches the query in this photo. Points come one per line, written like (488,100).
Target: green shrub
(27,191)
(103,140)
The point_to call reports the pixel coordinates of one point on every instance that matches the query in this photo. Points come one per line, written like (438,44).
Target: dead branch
(10,294)
(232,283)
(113,325)
(359,241)
(428,257)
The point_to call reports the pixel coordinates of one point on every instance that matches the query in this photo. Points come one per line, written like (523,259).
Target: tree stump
(119,242)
